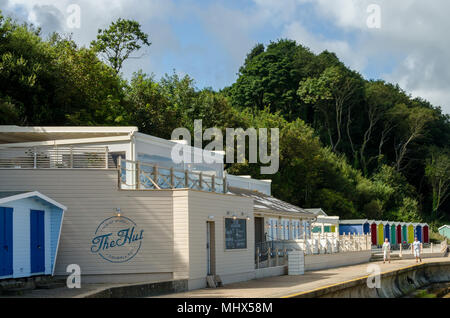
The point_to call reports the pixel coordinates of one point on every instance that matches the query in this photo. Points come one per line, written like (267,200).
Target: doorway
(6,241)
(37,242)
(210,249)
(259,230)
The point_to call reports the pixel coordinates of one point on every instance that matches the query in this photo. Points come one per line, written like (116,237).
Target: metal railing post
(71,157)
(119,170)
(156,174)
(213,183)
(200,181)
(106,158)
(34,158)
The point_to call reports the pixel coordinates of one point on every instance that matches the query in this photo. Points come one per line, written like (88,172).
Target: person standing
(386,251)
(417,249)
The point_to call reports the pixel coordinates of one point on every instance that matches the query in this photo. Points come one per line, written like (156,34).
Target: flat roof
(19,134)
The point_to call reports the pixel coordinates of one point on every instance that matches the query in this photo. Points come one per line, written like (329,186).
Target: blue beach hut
(418,232)
(354,226)
(30,228)
(387,231)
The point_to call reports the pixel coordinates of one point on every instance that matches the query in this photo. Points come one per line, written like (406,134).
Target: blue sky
(208,40)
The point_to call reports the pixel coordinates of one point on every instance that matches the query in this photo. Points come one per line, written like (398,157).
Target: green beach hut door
(37,241)
(6,242)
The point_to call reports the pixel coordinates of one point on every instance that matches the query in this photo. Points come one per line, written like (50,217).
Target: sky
(209,39)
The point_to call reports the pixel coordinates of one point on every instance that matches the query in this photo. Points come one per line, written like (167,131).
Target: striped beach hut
(405,232)
(418,231)
(373,232)
(410,228)
(387,231)
(399,233)
(426,234)
(354,226)
(380,232)
(393,228)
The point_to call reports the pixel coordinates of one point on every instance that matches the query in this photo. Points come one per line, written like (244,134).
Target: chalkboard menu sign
(235,234)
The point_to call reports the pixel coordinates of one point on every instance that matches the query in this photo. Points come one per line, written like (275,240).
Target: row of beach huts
(395,232)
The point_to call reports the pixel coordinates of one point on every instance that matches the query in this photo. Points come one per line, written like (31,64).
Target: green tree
(119,41)
(438,174)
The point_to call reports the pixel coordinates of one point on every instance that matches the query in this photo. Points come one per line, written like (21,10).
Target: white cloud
(413,29)
(413,32)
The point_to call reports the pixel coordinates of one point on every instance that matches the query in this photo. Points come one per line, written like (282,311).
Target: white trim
(32,194)
(361,221)
(444,226)
(93,140)
(57,243)
(68,129)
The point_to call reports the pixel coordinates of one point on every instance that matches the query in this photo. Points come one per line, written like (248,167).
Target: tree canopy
(355,148)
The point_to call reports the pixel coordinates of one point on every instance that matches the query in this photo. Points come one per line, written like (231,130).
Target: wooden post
(257,257)
(268,257)
(138,175)
(186,179)
(200,181)
(276,257)
(213,183)
(225,185)
(172,179)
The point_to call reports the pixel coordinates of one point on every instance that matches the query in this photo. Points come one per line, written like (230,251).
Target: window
(285,231)
(273,230)
(296,229)
(235,234)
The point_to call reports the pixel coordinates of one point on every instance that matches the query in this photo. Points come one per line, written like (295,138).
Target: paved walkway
(283,286)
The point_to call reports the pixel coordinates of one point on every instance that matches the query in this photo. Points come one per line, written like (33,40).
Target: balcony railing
(135,175)
(56,158)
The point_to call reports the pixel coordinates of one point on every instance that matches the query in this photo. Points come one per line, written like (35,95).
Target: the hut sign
(117,240)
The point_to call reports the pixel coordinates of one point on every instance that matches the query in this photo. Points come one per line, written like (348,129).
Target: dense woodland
(356,148)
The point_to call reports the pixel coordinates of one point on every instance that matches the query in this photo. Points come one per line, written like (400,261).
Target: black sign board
(235,234)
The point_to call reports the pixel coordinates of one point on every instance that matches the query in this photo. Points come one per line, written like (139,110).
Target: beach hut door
(6,242)
(37,241)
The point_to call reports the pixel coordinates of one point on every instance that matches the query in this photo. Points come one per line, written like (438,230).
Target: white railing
(135,175)
(56,158)
(274,253)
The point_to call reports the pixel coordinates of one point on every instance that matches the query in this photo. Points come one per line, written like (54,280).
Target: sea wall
(392,284)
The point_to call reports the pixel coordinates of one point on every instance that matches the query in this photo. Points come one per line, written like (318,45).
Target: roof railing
(54,157)
(136,175)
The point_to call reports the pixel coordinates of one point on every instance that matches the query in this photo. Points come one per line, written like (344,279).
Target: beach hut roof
(9,196)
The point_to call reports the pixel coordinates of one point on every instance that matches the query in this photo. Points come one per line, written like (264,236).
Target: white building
(133,215)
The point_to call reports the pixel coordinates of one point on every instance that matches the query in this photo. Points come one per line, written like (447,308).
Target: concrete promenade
(290,286)
(273,287)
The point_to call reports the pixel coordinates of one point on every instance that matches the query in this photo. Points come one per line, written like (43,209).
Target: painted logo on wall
(117,240)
